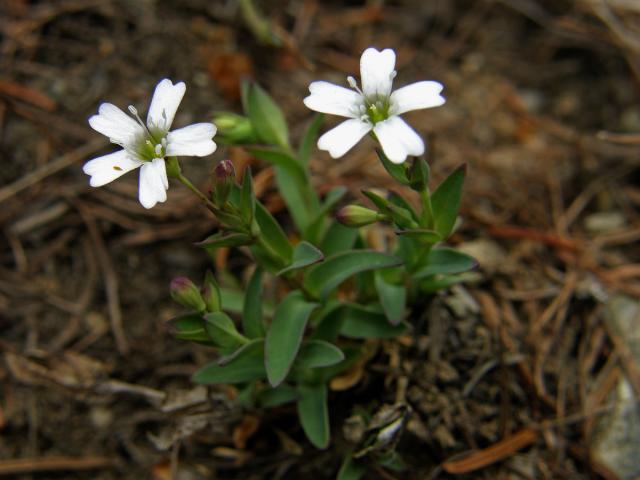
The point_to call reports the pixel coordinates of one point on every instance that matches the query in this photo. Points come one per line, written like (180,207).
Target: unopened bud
(184,292)
(224,177)
(233,128)
(357,216)
(211,293)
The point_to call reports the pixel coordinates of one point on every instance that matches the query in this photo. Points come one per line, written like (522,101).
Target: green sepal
(397,170)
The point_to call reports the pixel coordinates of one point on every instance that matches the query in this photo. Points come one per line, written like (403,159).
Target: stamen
(353,84)
(134,112)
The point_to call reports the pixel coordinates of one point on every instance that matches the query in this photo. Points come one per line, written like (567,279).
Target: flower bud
(357,216)
(234,129)
(211,293)
(184,292)
(224,176)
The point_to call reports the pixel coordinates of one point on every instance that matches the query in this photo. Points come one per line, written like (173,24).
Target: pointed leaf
(368,322)
(445,201)
(314,414)
(226,239)
(397,170)
(318,353)
(309,139)
(190,327)
(280,158)
(222,330)
(274,397)
(267,118)
(285,335)
(338,238)
(316,227)
(304,255)
(252,323)
(423,235)
(393,298)
(246,365)
(321,279)
(247,198)
(445,260)
(351,469)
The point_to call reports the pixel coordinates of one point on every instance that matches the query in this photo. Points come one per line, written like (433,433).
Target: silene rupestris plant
(334,291)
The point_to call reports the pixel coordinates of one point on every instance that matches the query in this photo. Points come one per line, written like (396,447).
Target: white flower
(373,108)
(146,146)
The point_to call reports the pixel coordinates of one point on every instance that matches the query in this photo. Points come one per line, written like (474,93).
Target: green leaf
(304,255)
(351,469)
(315,229)
(445,260)
(434,284)
(321,279)
(338,238)
(246,365)
(297,196)
(280,158)
(445,201)
(233,301)
(252,323)
(393,298)
(368,322)
(274,397)
(267,118)
(419,174)
(309,139)
(285,335)
(314,414)
(222,330)
(247,198)
(274,236)
(400,216)
(397,170)
(190,327)
(400,201)
(423,235)
(226,239)
(318,353)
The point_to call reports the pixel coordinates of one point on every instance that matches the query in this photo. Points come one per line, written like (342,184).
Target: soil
(513,367)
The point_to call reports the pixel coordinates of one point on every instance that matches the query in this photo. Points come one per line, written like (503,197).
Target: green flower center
(377,109)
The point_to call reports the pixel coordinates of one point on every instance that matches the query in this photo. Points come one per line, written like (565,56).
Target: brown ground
(519,359)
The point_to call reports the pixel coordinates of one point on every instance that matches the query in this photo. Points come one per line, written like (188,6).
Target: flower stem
(427,210)
(187,183)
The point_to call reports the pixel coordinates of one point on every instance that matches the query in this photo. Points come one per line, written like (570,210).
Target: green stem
(427,210)
(187,183)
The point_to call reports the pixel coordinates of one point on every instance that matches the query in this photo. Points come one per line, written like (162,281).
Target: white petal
(416,96)
(339,140)
(377,71)
(107,168)
(333,99)
(115,124)
(153,183)
(192,140)
(165,102)
(398,139)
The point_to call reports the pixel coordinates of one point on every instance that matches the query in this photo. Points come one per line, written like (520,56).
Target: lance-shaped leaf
(445,201)
(393,298)
(190,327)
(247,198)
(338,238)
(285,335)
(314,414)
(316,227)
(423,235)
(246,365)
(304,255)
(321,279)
(400,216)
(445,260)
(274,397)
(275,238)
(266,118)
(252,323)
(397,170)
(368,322)
(223,331)
(318,353)
(309,140)
(226,239)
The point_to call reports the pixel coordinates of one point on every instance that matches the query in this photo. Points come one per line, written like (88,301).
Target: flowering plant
(288,348)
